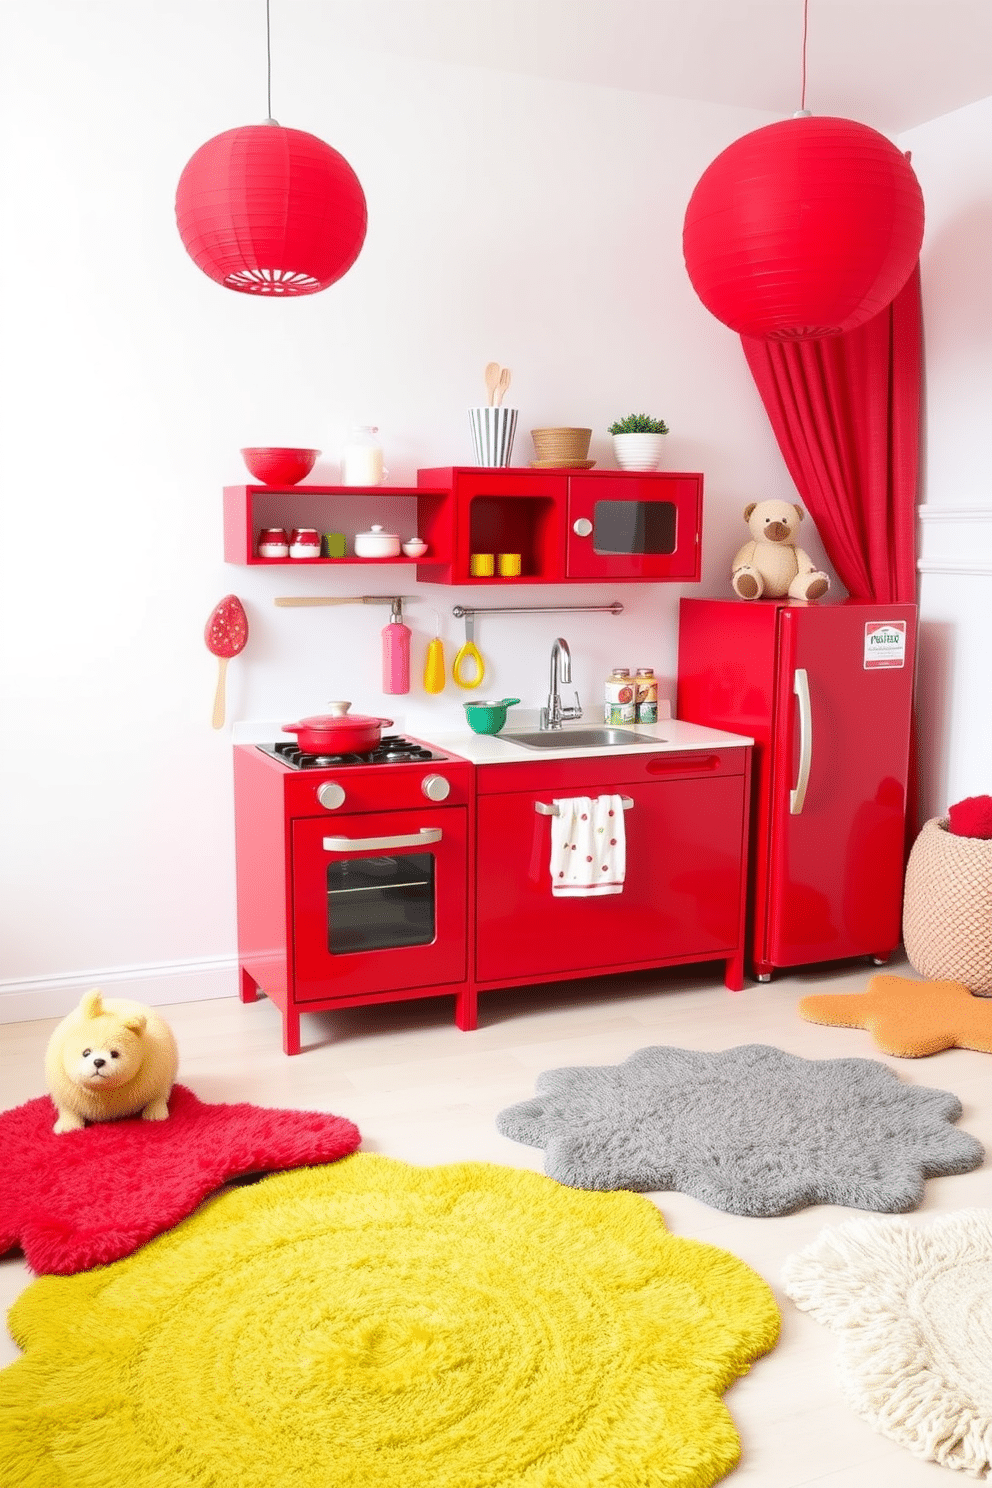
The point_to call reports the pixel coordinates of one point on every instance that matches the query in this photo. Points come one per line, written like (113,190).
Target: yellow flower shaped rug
(371,1324)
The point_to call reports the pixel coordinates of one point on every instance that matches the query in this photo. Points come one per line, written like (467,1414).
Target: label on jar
(646,695)
(620,705)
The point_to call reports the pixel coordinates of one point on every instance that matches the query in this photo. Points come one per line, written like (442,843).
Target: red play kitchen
(763,826)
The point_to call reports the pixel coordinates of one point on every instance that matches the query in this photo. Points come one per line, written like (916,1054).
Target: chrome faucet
(555,714)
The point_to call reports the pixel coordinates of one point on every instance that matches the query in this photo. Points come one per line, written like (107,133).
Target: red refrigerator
(826,692)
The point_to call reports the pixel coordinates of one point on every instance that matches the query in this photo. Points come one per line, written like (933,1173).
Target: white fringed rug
(912,1305)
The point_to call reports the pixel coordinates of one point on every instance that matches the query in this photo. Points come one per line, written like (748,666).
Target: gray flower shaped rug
(911,1304)
(750,1130)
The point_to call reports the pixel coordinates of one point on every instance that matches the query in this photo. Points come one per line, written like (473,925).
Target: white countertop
(669,736)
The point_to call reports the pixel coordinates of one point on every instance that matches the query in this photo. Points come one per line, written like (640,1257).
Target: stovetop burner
(392,749)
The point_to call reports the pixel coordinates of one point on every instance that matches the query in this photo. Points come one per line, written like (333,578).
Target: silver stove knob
(330,794)
(435,787)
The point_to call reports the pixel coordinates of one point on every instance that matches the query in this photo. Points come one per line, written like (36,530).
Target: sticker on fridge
(885,644)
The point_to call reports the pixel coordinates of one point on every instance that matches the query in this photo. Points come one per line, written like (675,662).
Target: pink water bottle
(396,652)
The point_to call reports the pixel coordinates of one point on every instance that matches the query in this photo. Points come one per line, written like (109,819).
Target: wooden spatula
(226,635)
(502,386)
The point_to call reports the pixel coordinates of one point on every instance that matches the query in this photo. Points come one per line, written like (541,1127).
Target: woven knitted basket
(947,907)
(566,445)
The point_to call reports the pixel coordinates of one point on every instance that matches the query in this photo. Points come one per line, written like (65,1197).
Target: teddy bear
(110,1058)
(771,564)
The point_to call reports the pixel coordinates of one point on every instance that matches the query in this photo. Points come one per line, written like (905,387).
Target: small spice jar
(304,543)
(273,542)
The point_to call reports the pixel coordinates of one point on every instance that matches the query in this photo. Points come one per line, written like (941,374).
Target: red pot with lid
(338,732)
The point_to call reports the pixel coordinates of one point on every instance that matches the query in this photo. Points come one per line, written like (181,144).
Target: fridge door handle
(800,686)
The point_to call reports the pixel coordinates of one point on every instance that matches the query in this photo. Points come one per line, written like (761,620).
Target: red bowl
(279,467)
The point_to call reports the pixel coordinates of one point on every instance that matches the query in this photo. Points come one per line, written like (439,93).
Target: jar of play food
(620,705)
(646,695)
(304,543)
(273,542)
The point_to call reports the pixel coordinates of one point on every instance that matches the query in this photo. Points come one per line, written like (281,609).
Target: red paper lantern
(802,229)
(271,211)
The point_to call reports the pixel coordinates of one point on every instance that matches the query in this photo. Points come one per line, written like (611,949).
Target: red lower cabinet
(684,890)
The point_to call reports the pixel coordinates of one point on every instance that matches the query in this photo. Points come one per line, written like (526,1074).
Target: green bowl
(488,718)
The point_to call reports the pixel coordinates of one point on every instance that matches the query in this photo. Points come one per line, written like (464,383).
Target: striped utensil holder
(492,434)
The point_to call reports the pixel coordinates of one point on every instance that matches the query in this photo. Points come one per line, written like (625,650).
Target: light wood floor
(420,1090)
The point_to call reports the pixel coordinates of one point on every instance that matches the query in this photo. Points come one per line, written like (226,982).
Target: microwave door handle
(380,844)
(800,686)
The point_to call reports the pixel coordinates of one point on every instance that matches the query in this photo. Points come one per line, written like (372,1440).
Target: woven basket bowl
(566,445)
(947,907)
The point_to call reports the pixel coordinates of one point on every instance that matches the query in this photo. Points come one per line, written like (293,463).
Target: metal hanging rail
(462,612)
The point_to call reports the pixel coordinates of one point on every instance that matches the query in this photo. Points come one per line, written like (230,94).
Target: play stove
(392,749)
(352,874)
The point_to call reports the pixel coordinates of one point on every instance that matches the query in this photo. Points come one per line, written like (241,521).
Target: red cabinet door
(681,896)
(510,511)
(379,902)
(634,527)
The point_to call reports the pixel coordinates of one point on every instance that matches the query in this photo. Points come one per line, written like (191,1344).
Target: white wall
(953,159)
(535,223)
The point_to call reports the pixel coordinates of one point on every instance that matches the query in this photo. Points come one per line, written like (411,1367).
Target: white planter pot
(638,451)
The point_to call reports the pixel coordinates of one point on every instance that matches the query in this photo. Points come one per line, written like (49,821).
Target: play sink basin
(586,738)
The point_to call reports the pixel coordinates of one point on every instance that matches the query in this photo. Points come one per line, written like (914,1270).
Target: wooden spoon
(492,378)
(226,635)
(502,385)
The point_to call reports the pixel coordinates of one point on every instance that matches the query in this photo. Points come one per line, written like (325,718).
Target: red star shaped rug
(89,1197)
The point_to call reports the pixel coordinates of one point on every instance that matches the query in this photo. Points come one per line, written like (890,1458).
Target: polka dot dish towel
(588,847)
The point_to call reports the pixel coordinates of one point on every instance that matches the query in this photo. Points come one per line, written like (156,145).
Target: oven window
(379,904)
(634,527)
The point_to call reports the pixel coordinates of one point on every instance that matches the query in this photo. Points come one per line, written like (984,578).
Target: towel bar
(546,808)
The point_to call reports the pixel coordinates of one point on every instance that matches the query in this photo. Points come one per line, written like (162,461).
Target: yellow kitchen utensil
(492,378)
(434,670)
(469,653)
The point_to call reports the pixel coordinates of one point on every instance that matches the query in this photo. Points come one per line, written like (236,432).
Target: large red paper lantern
(271,211)
(802,229)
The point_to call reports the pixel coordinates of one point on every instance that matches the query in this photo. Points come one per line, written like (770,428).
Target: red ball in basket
(226,635)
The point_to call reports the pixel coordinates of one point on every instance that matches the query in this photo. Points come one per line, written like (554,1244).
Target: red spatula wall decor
(226,635)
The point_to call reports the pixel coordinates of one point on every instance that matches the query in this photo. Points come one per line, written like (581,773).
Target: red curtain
(846,413)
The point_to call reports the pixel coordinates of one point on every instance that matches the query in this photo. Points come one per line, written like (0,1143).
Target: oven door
(379,902)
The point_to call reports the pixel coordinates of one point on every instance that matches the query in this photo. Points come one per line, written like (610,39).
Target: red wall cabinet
(683,898)
(567,526)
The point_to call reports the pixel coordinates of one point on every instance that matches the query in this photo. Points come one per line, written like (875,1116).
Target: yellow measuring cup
(468,653)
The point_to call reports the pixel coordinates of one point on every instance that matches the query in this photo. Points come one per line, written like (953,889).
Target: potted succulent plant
(637,441)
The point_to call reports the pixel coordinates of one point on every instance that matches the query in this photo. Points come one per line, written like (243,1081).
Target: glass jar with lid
(361,457)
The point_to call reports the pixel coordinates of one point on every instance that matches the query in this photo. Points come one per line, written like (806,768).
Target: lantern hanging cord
(268,60)
(802,101)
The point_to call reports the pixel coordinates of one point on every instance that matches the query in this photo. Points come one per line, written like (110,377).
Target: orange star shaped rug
(909,1018)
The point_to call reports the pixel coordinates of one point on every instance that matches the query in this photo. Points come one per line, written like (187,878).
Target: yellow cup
(482,564)
(509,565)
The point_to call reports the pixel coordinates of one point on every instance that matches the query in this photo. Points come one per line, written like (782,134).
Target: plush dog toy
(110,1058)
(771,564)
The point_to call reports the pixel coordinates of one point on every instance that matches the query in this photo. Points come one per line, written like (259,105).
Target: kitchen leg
(291,1031)
(467,1009)
(733,978)
(248,987)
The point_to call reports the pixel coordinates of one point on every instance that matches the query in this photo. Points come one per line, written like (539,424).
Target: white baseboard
(157,985)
